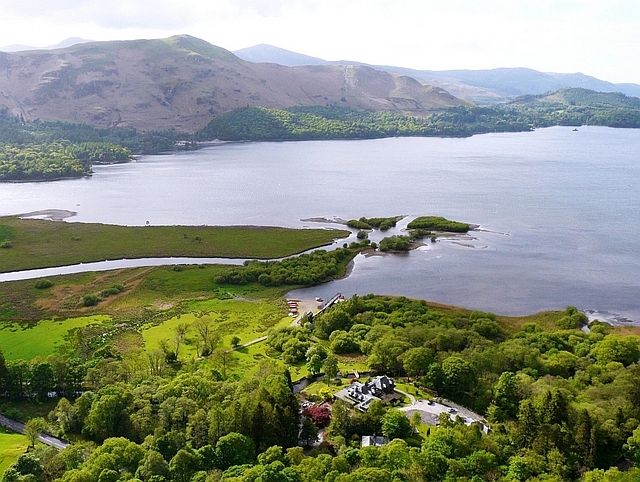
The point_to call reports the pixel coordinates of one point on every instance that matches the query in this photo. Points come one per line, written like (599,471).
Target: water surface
(558,209)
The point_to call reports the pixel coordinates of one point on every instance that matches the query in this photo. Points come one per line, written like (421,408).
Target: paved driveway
(430,412)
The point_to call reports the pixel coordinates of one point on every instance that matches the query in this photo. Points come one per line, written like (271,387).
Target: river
(557,209)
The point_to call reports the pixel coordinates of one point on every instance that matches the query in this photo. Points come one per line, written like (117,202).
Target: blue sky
(596,37)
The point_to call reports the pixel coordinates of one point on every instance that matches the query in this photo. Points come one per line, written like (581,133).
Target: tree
(320,415)
(33,428)
(330,368)
(633,446)
(308,432)
(234,449)
(28,464)
(339,425)
(505,394)
(527,424)
(180,334)
(434,377)
(157,362)
(3,370)
(416,420)
(395,424)
(109,416)
(183,465)
(42,381)
(226,360)
(314,365)
(153,464)
(385,353)
(235,341)
(198,429)
(416,361)
(207,337)
(459,378)
(65,416)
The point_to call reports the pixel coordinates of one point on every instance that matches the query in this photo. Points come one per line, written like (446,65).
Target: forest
(40,150)
(563,403)
(565,107)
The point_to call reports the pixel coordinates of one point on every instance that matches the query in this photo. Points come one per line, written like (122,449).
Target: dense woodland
(566,107)
(563,404)
(306,269)
(41,150)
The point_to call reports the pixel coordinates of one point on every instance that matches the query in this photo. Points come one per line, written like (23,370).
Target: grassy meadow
(27,341)
(33,243)
(248,320)
(12,445)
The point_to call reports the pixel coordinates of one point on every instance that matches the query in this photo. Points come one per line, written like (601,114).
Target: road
(44,438)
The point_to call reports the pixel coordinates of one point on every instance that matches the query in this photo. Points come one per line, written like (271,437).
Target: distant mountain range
(64,44)
(480,86)
(183,82)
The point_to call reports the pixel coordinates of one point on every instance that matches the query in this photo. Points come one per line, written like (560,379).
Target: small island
(370,223)
(438,223)
(420,228)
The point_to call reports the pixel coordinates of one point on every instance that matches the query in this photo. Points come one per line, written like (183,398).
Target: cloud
(598,37)
(114,14)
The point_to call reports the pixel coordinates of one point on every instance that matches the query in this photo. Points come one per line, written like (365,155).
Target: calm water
(558,209)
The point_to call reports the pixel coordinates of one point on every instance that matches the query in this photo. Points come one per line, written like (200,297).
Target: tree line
(563,404)
(566,107)
(42,150)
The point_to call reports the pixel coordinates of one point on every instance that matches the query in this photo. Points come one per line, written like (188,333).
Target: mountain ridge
(68,42)
(182,82)
(484,86)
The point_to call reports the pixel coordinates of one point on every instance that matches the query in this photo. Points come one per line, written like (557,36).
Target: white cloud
(596,37)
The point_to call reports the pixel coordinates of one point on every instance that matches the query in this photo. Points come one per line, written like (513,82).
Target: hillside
(576,106)
(182,82)
(578,97)
(480,86)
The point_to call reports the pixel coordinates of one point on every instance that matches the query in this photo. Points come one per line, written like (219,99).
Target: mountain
(276,55)
(481,86)
(182,82)
(64,44)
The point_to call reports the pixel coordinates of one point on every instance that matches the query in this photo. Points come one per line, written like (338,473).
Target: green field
(12,445)
(37,244)
(26,341)
(246,319)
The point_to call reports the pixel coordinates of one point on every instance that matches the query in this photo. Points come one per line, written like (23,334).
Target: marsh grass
(38,243)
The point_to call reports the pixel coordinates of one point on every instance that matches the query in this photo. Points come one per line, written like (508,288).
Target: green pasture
(37,243)
(26,341)
(12,445)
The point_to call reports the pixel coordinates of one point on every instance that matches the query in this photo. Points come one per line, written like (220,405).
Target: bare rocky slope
(183,82)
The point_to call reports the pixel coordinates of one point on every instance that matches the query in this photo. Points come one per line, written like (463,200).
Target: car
(429,402)
(452,410)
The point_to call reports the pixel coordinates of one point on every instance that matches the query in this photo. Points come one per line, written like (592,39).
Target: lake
(558,209)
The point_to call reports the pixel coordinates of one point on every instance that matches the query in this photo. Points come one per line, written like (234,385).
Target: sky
(595,37)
